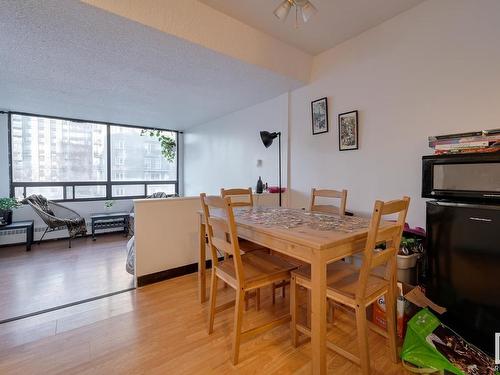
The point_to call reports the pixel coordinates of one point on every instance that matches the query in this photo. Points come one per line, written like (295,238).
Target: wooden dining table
(317,239)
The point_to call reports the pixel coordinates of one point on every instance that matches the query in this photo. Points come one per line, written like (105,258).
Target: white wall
(224,152)
(166,233)
(431,70)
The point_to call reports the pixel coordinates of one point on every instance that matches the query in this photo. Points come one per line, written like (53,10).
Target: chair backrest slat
(328,193)
(239,197)
(388,233)
(221,231)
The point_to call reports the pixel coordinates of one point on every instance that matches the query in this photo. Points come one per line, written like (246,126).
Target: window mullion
(108,161)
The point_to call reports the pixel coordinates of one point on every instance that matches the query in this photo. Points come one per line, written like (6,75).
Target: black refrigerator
(464,268)
(463,243)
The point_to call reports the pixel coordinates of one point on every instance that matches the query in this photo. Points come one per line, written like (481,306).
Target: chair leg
(364,355)
(238,317)
(294,309)
(308,307)
(213,299)
(226,257)
(390,303)
(274,293)
(283,294)
(69,245)
(43,235)
(331,310)
(257,299)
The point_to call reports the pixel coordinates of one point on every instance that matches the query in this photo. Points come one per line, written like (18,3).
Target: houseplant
(167,143)
(109,204)
(6,206)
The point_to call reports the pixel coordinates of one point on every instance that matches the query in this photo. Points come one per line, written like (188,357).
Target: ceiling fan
(303,9)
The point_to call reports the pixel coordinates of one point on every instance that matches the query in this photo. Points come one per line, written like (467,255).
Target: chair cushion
(343,278)
(257,266)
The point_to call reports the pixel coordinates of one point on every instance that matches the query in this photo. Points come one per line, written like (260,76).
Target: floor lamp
(267,139)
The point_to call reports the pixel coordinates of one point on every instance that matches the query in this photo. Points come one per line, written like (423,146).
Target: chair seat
(342,282)
(259,268)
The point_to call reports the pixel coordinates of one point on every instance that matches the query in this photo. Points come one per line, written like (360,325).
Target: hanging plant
(167,143)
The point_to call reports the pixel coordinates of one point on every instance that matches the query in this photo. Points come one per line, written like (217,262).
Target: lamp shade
(267,138)
(282,11)
(308,10)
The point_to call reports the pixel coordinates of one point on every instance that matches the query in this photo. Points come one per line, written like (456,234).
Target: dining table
(314,238)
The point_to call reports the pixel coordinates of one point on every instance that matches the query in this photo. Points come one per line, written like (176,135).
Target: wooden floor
(52,275)
(161,329)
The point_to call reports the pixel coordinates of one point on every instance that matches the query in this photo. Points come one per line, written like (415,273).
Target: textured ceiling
(336,21)
(65,58)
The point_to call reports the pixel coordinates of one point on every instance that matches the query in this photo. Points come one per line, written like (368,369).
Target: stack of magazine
(480,141)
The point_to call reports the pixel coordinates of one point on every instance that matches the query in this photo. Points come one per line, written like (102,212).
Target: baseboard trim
(170,274)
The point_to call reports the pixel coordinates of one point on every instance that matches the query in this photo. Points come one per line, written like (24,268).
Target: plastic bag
(431,345)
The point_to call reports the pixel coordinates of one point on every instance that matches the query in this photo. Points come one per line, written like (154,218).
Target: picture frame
(319,116)
(348,131)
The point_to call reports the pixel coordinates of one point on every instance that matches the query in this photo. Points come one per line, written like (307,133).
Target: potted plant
(6,206)
(167,144)
(109,204)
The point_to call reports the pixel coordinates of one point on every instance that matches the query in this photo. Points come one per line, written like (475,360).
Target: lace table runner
(290,218)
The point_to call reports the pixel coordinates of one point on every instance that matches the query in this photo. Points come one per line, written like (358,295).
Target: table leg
(125,226)
(202,279)
(93,230)
(29,236)
(318,314)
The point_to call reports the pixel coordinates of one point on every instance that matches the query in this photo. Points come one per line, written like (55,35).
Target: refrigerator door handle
(480,219)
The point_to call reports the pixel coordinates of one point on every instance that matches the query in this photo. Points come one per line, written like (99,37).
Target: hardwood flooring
(52,275)
(162,329)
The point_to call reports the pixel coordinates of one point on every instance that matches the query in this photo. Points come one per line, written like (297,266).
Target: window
(64,159)
(139,156)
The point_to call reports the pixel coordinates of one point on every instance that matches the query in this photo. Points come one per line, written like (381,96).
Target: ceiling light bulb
(282,11)
(308,10)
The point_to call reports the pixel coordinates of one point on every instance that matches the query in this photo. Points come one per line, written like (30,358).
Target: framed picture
(348,131)
(319,112)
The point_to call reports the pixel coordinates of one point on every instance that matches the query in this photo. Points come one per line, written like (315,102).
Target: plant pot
(407,271)
(5,217)
(407,261)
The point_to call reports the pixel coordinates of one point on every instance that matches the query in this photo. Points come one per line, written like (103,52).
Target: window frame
(108,182)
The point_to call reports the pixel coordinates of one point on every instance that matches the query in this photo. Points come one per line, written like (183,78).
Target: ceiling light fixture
(303,8)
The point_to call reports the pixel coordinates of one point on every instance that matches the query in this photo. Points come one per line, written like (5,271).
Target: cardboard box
(409,300)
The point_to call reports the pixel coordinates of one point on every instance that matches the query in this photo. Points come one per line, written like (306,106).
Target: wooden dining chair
(358,288)
(243,272)
(328,208)
(243,197)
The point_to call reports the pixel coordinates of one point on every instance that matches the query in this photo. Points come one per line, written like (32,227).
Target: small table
(28,225)
(111,220)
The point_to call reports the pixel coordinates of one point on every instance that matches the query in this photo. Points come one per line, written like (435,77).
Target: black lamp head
(267,138)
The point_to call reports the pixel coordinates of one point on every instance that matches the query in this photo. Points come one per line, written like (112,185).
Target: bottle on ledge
(260,186)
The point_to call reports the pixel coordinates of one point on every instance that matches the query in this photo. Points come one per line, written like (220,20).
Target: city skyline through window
(69,160)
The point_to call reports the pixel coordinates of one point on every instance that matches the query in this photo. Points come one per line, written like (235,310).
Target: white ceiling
(65,58)
(336,21)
